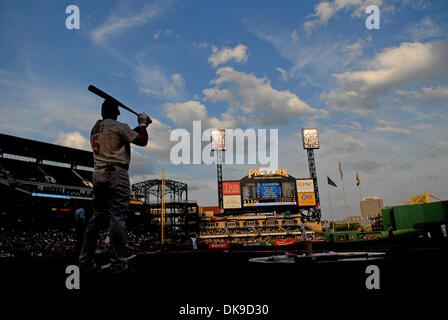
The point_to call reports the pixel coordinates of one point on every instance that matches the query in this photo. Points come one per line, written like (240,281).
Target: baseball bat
(104,95)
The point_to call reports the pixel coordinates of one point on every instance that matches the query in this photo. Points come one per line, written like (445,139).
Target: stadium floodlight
(218,139)
(310,138)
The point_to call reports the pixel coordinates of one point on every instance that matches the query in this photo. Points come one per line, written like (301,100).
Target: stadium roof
(44,151)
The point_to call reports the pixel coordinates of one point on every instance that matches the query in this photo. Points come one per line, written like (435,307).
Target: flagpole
(345,205)
(331,207)
(358,183)
(345,199)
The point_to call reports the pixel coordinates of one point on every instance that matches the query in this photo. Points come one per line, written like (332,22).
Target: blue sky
(378,97)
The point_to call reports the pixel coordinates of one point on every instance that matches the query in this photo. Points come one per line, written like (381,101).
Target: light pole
(310,139)
(218,139)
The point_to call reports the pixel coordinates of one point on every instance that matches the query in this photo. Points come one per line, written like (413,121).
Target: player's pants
(111,196)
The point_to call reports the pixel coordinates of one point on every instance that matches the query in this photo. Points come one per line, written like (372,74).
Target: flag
(330,182)
(340,170)
(357,179)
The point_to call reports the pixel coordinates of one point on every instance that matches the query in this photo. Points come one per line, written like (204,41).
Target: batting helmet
(109,108)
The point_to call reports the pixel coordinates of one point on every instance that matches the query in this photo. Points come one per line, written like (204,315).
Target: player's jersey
(110,141)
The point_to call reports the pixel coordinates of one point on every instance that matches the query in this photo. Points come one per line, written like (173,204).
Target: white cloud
(355,125)
(322,56)
(393,67)
(73,140)
(421,127)
(283,73)
(349,100)
(387,123)
(177,83)
(141,165)
(165,32)
(295,35)
(215,94)
(325,10)
(47,120)
(424,29)
(429,95)
(399,65)
(393,130)
(341,142)
(115,25)
(367,164)
(155,81)
(184,113)
(149,91)
(53,106)
(158,143)
(353,50)
(252,95)
(390,126)
(220,56)
(420,4)
(440,144)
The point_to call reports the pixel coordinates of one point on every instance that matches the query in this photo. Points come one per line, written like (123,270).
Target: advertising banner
(305,185)
(231,191)
(231,202)
(218,245)
(306,199)
(283,242)
(231,188)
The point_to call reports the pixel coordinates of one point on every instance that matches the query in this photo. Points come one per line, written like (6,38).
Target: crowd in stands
(50,242)
(256,234)
(270,230)
(291,228)
(257,230)
(54,242)
(218,231)
(243,231)
(257,239)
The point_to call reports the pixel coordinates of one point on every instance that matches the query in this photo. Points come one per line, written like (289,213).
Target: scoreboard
(264,189)
(265,193)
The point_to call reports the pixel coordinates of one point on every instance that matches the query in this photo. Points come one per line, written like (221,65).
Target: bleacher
(22,170)
(66,176)
(43,167)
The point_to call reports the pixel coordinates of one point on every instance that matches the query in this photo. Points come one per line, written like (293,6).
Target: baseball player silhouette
(110,141)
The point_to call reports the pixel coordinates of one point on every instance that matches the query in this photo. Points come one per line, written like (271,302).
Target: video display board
(267,193)
(307,199)
(305,192)
(231,191)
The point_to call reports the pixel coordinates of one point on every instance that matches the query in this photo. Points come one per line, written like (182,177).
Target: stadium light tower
(310,139)
(218,139)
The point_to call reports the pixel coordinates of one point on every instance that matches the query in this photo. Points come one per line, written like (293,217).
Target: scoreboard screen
(267,190)
(268,194)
